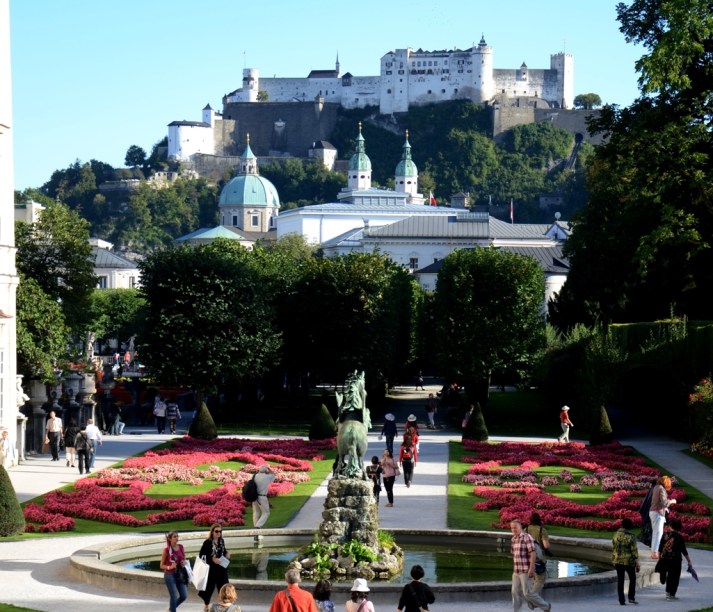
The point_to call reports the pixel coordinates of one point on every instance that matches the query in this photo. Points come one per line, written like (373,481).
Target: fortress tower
(482,66)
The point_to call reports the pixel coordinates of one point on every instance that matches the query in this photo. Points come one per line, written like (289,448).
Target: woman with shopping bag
(217,557)
(173,559)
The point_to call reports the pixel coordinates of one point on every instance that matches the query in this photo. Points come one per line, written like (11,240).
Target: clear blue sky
(93,77)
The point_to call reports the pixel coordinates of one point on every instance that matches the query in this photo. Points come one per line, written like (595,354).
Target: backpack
(250,490)
(406,455)
(81,442)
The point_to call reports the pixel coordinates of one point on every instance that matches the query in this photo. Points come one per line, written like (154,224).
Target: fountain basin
(100,565)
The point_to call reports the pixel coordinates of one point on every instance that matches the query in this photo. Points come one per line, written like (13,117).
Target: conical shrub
(12,521)
(203,426)
(476,429)
(603,434)
(322,426)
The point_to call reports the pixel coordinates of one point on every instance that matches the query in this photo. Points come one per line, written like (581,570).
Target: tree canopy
(587,101)
(642,245)
(488,308)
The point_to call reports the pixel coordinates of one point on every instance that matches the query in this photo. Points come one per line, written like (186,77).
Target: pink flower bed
(505,476)
(113,494)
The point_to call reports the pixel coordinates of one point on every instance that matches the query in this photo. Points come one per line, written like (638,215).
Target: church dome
(360,161)
(249,190)
(406,167)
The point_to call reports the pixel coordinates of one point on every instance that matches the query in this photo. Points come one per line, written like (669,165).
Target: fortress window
(413,263)
(388,91)
(443,91)
(429,91)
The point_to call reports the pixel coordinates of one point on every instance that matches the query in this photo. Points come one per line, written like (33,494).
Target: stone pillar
(36,423)
(87,389)
(72,383)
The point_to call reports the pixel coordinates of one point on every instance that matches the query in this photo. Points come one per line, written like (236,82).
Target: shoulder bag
(292,602)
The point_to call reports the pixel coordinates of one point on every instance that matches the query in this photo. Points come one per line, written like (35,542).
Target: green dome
(249,190)
(360,160)
(406,167)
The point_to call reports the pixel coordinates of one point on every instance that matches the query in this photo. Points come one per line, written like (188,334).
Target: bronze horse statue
(354,424)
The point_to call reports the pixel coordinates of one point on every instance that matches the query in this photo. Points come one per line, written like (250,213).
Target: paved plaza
(35,573)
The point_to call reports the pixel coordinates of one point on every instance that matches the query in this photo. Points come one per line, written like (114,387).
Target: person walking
(416,595)
(625,557)
(431,409)
(408,457)
(660,503)
(671,549)
(159,411)
(390,468)
(95,440)
(542,539)
(359,597)
(419,380)
(389,431)
(173,557)
(83,446)
(172,416)
(70,434)
(9,453)
(261,506)
(217,557)
(522,547)
(565,423)
(293,598)
(374,472)
(53,433)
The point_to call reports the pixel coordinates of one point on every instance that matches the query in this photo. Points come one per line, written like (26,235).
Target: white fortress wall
(363,91)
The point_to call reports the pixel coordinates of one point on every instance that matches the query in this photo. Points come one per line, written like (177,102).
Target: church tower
(406,174)
(359,171)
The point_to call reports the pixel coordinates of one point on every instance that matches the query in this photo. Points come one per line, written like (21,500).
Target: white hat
(565,407)
(389,417)
(360,586)
(411,417)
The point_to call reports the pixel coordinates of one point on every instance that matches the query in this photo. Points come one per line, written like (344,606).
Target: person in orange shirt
(566,424)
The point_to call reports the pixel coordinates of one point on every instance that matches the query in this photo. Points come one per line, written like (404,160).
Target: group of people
(165,412)
(79,442)
(416,596)
(388,467)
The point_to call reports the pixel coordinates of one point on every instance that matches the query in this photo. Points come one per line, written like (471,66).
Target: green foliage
(603,433)
(700,406)
(358,552)
(323,426)
(540,143)
(203,427)
(488,316)
(209,318)
(42,335)
(476,429)
(135,156)
(12,521)
(116,313)
(587,101)
(386,539)
(55,252)
(303,182)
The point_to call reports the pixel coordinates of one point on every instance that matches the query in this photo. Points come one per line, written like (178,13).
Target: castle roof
(190,123)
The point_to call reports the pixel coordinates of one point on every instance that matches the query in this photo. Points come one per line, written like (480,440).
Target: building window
(413,263)
(255,220)
(235,220)
(102,282)
(132,282)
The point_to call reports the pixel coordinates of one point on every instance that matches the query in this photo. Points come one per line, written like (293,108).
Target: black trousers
(83,461)
(389,486)
(629,570)
(671,574)
(217,577)
(408,471)
(53,437)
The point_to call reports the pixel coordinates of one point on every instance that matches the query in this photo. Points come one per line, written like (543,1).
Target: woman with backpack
(83,446)
(408,457)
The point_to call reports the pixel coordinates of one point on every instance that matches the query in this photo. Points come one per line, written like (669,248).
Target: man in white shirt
(261,507)
(95,438)
(53,433)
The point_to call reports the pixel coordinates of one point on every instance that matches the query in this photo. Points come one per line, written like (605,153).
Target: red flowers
(115,493)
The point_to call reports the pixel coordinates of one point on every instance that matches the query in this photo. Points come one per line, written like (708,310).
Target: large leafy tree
(209,319)
(488,308)
(55,253)
(643,244)
(116,313)
(587,101)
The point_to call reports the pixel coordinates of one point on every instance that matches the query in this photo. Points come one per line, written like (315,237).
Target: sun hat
(389,417)
(565,407)
(360,586)
(411,417)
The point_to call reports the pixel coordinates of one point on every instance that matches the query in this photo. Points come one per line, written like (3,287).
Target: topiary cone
(322,426)
(12,521)
(203,426)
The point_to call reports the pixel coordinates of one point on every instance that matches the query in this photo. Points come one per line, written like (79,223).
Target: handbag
(200,574)
(182,575)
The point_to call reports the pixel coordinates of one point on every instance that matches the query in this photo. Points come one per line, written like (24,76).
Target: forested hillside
(450,145)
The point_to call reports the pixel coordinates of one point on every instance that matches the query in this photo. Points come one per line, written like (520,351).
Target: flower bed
(506,478)
(114,493)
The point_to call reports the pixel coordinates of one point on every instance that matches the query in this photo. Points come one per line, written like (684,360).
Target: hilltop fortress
(287,116)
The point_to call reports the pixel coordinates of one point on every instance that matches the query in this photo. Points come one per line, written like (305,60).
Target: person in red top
(293,598)
(566,424)
(524,556)
(408,457)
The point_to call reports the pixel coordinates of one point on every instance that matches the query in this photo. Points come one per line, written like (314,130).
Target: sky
(93,77)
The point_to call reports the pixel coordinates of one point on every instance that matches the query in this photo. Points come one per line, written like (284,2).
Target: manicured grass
(11,608)
(705,460)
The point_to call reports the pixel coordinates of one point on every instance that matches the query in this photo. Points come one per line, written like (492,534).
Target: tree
(135,157)
(488,314)
(116,313)
(12,520)
(209,320)
(587,101)
(643,243)
(42,334)
(55,253)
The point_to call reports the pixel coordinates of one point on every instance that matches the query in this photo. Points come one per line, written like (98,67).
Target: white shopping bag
(200,574)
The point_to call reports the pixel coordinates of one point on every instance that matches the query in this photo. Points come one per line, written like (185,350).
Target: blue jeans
(177,591)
